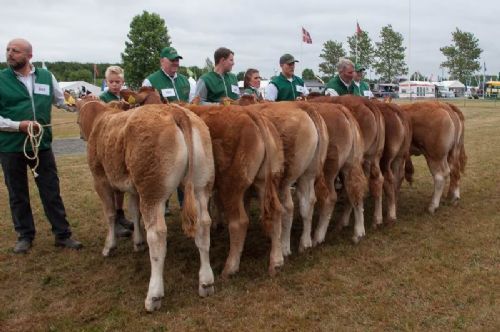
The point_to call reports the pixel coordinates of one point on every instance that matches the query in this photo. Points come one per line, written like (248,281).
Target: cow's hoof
(454,201)
(304,245)
(206,290)
(431,209)
(390,222)
(139,247)
(286,252)
(356,239)
(106,252)
(376,226)
(152,304)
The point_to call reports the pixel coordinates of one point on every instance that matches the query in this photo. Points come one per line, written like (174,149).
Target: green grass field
(428,273)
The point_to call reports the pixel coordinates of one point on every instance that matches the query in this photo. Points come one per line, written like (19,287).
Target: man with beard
(26,97)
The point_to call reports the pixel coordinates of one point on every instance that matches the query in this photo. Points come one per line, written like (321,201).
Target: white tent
(76,86)
(457,87)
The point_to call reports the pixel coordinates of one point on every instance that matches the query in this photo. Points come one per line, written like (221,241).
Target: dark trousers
(15,168)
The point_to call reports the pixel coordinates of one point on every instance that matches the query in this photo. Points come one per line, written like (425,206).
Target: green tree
(81,75)
(462,57)
(417,76)
(308,74)
(332,51)
(147,37)
(389,55)
(240,76)
(365,49)
(209,66)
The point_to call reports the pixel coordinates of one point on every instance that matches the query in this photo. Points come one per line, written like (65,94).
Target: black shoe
(120,219)
(121,231)
(22,246)
(68,243)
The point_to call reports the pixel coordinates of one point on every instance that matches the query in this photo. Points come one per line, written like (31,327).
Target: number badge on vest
(41,89)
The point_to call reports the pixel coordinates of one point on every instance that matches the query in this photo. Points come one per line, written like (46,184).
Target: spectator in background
(358,86)
(341,84)
(286,86)
(26,97)
(115,78)
(171,85)
(220,83)
(251,83)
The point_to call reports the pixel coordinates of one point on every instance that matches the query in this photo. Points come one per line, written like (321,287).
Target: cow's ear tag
(131,100)
(227,102)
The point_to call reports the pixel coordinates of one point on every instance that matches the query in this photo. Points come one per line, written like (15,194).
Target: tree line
(148,35)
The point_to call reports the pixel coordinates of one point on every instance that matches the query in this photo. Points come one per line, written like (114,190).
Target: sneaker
(122,231)
(22,246)
(120,219)
(68,243)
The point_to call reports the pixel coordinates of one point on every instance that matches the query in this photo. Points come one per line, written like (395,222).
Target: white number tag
(168,93)
(235,89)
(42,89)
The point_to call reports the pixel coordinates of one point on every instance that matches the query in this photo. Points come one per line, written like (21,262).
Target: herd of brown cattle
(322,147)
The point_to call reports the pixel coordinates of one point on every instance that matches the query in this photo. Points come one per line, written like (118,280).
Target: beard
(17,65)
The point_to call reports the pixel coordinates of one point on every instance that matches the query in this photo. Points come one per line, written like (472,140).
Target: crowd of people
(28,93)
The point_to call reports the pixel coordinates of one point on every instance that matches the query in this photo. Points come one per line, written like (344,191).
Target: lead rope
(35,139)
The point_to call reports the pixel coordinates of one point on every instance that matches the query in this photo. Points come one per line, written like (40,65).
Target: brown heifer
(345,159)
(372,127)
(396,151)
(437,133)
(305,143)
(247,151)
(147,152)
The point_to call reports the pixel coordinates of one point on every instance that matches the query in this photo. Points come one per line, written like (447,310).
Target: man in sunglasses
(286,86)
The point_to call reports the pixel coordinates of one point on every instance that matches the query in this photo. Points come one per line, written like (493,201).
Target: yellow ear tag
(227,102)
(131,100)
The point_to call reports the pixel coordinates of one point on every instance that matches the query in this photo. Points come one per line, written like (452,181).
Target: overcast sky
(257,31)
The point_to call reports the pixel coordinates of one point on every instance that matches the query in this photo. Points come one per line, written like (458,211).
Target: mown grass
(439,272)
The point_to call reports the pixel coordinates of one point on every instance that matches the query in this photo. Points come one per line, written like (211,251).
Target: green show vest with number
(359,91)
(219,86)
(108,97)
(287,90)
(16,104)
(336,84)
(159,80)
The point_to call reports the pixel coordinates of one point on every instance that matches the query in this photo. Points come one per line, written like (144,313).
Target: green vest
(108,97)
(220,86)
(287,90)
(254,92)
(16,104)
(336,84)
(170,89)
(359,91)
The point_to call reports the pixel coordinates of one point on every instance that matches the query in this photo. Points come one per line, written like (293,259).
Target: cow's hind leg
(135,215)
(202,240)
(286,219)
(326,206)
(307,199)
(156,230)
(234,210)
(440,171)
(106,194)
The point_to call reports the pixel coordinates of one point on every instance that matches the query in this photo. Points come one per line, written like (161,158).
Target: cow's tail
(320,185)
(273,170)
(356,183)
(462,157)
(189,210)
(409,169)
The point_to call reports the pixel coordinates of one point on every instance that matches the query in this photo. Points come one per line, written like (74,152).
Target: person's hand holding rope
(34,132)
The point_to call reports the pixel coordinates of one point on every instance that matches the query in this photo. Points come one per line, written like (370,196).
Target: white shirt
(7,124)
(271,92)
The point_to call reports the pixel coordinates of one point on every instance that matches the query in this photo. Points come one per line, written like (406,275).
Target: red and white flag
(306,36)
(358,29)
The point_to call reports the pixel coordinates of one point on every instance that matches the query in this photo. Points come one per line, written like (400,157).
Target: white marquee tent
(76,86)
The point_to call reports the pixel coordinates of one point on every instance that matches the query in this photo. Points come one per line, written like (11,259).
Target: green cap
(170,53)
(287,58)
(359,67)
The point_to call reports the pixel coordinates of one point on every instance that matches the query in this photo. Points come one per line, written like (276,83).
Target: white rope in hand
(35,139)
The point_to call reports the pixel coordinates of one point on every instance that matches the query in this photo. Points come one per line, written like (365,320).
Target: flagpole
(301,42)
(409,48)
(357,36)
